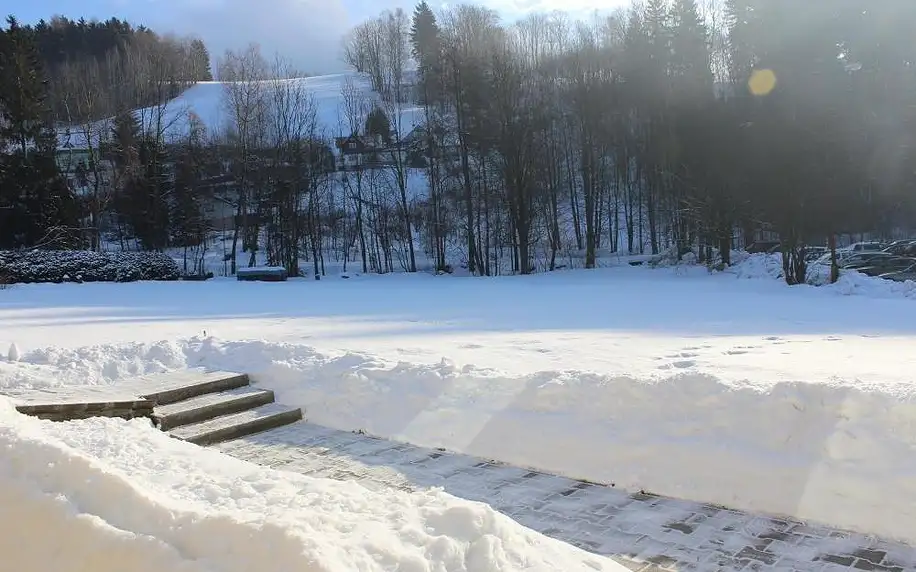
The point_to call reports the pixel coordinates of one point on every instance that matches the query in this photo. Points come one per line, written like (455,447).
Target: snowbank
(108,495)
(851,283)
(840,453)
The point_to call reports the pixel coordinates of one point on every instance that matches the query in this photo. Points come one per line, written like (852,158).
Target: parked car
(866,247)
(762,246)
(863,259)
(905,247)
(880,265)
(901,275)
(851,259)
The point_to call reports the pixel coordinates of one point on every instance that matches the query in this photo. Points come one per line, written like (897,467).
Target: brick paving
(645,533)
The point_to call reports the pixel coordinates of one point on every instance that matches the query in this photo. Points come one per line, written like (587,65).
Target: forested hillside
(672,126)
(97,68)
(65,74)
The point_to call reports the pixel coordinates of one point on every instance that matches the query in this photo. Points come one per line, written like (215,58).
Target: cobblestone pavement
(644,532)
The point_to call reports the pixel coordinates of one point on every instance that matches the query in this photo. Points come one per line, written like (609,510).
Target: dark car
(879,266)
(902,247)
(763,246)
(856,260)
(902,275)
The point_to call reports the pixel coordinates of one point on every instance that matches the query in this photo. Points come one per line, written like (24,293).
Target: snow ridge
(806,450)
(116,494)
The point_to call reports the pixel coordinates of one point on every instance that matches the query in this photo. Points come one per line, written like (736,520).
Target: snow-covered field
(728,388)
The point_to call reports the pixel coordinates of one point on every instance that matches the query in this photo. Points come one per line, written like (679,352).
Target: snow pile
(755,266)
(109,495)
(838,453)
(855,283)
(851,283)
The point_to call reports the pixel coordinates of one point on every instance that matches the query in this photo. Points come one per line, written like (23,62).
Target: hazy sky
(306,31)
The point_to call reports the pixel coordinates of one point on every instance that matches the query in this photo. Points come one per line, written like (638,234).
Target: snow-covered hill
(206,101)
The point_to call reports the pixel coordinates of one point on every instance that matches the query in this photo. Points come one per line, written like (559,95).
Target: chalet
(359,152)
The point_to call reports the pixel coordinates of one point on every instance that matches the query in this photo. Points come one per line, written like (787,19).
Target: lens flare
(762,82)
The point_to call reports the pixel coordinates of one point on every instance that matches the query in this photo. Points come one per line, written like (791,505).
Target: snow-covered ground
(728,387)
(206,101)
(108,495)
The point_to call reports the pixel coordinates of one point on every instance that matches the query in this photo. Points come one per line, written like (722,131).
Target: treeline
(60,85)
(666,128)
(37,207)
(96,69)
(670,125)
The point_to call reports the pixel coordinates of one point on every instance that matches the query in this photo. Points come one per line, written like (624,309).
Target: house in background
(359,152)
(75,152)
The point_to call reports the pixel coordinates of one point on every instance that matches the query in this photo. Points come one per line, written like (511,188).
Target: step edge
(212,411)
(285,409)
(250,427)
(178,394)
(256,392)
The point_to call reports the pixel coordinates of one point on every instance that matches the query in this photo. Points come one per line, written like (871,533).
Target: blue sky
(306,31)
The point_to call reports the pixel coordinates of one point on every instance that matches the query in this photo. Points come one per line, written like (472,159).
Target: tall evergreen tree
(427,51)
(378,125)
(200,61)
(37,207)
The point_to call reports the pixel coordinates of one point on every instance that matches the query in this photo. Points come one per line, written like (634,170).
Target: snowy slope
(115,496)
(711,387)
(205,100)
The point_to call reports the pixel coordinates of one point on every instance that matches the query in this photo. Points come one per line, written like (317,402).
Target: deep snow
(710,387)
(109,495)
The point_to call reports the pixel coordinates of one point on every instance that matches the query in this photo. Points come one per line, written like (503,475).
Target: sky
(307,32)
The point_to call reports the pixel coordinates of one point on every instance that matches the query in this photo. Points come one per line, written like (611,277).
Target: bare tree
(244,74)
(86,98)
(355,109)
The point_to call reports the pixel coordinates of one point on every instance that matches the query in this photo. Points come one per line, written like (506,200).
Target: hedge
(36,266)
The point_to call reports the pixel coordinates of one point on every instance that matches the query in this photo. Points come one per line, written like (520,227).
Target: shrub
(57,266)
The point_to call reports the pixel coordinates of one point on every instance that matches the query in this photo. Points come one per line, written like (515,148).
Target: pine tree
(25,92)
(378,124)
(37,208)
(200,61)
(690,51)
(186,218)
(143,187)
(426,48)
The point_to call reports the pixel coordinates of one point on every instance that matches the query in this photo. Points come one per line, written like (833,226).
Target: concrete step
(238,425)
(178,386)
(209,406)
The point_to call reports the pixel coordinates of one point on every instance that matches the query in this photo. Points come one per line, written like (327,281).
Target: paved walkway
(645,533)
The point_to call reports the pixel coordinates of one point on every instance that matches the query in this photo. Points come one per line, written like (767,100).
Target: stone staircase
(218,407)
(198,406)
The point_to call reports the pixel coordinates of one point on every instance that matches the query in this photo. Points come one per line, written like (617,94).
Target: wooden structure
(262,274)
(199,406)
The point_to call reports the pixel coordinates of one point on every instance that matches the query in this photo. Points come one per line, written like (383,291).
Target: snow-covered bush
(85,266)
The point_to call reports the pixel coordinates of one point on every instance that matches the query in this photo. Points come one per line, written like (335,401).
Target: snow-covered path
(643,532)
